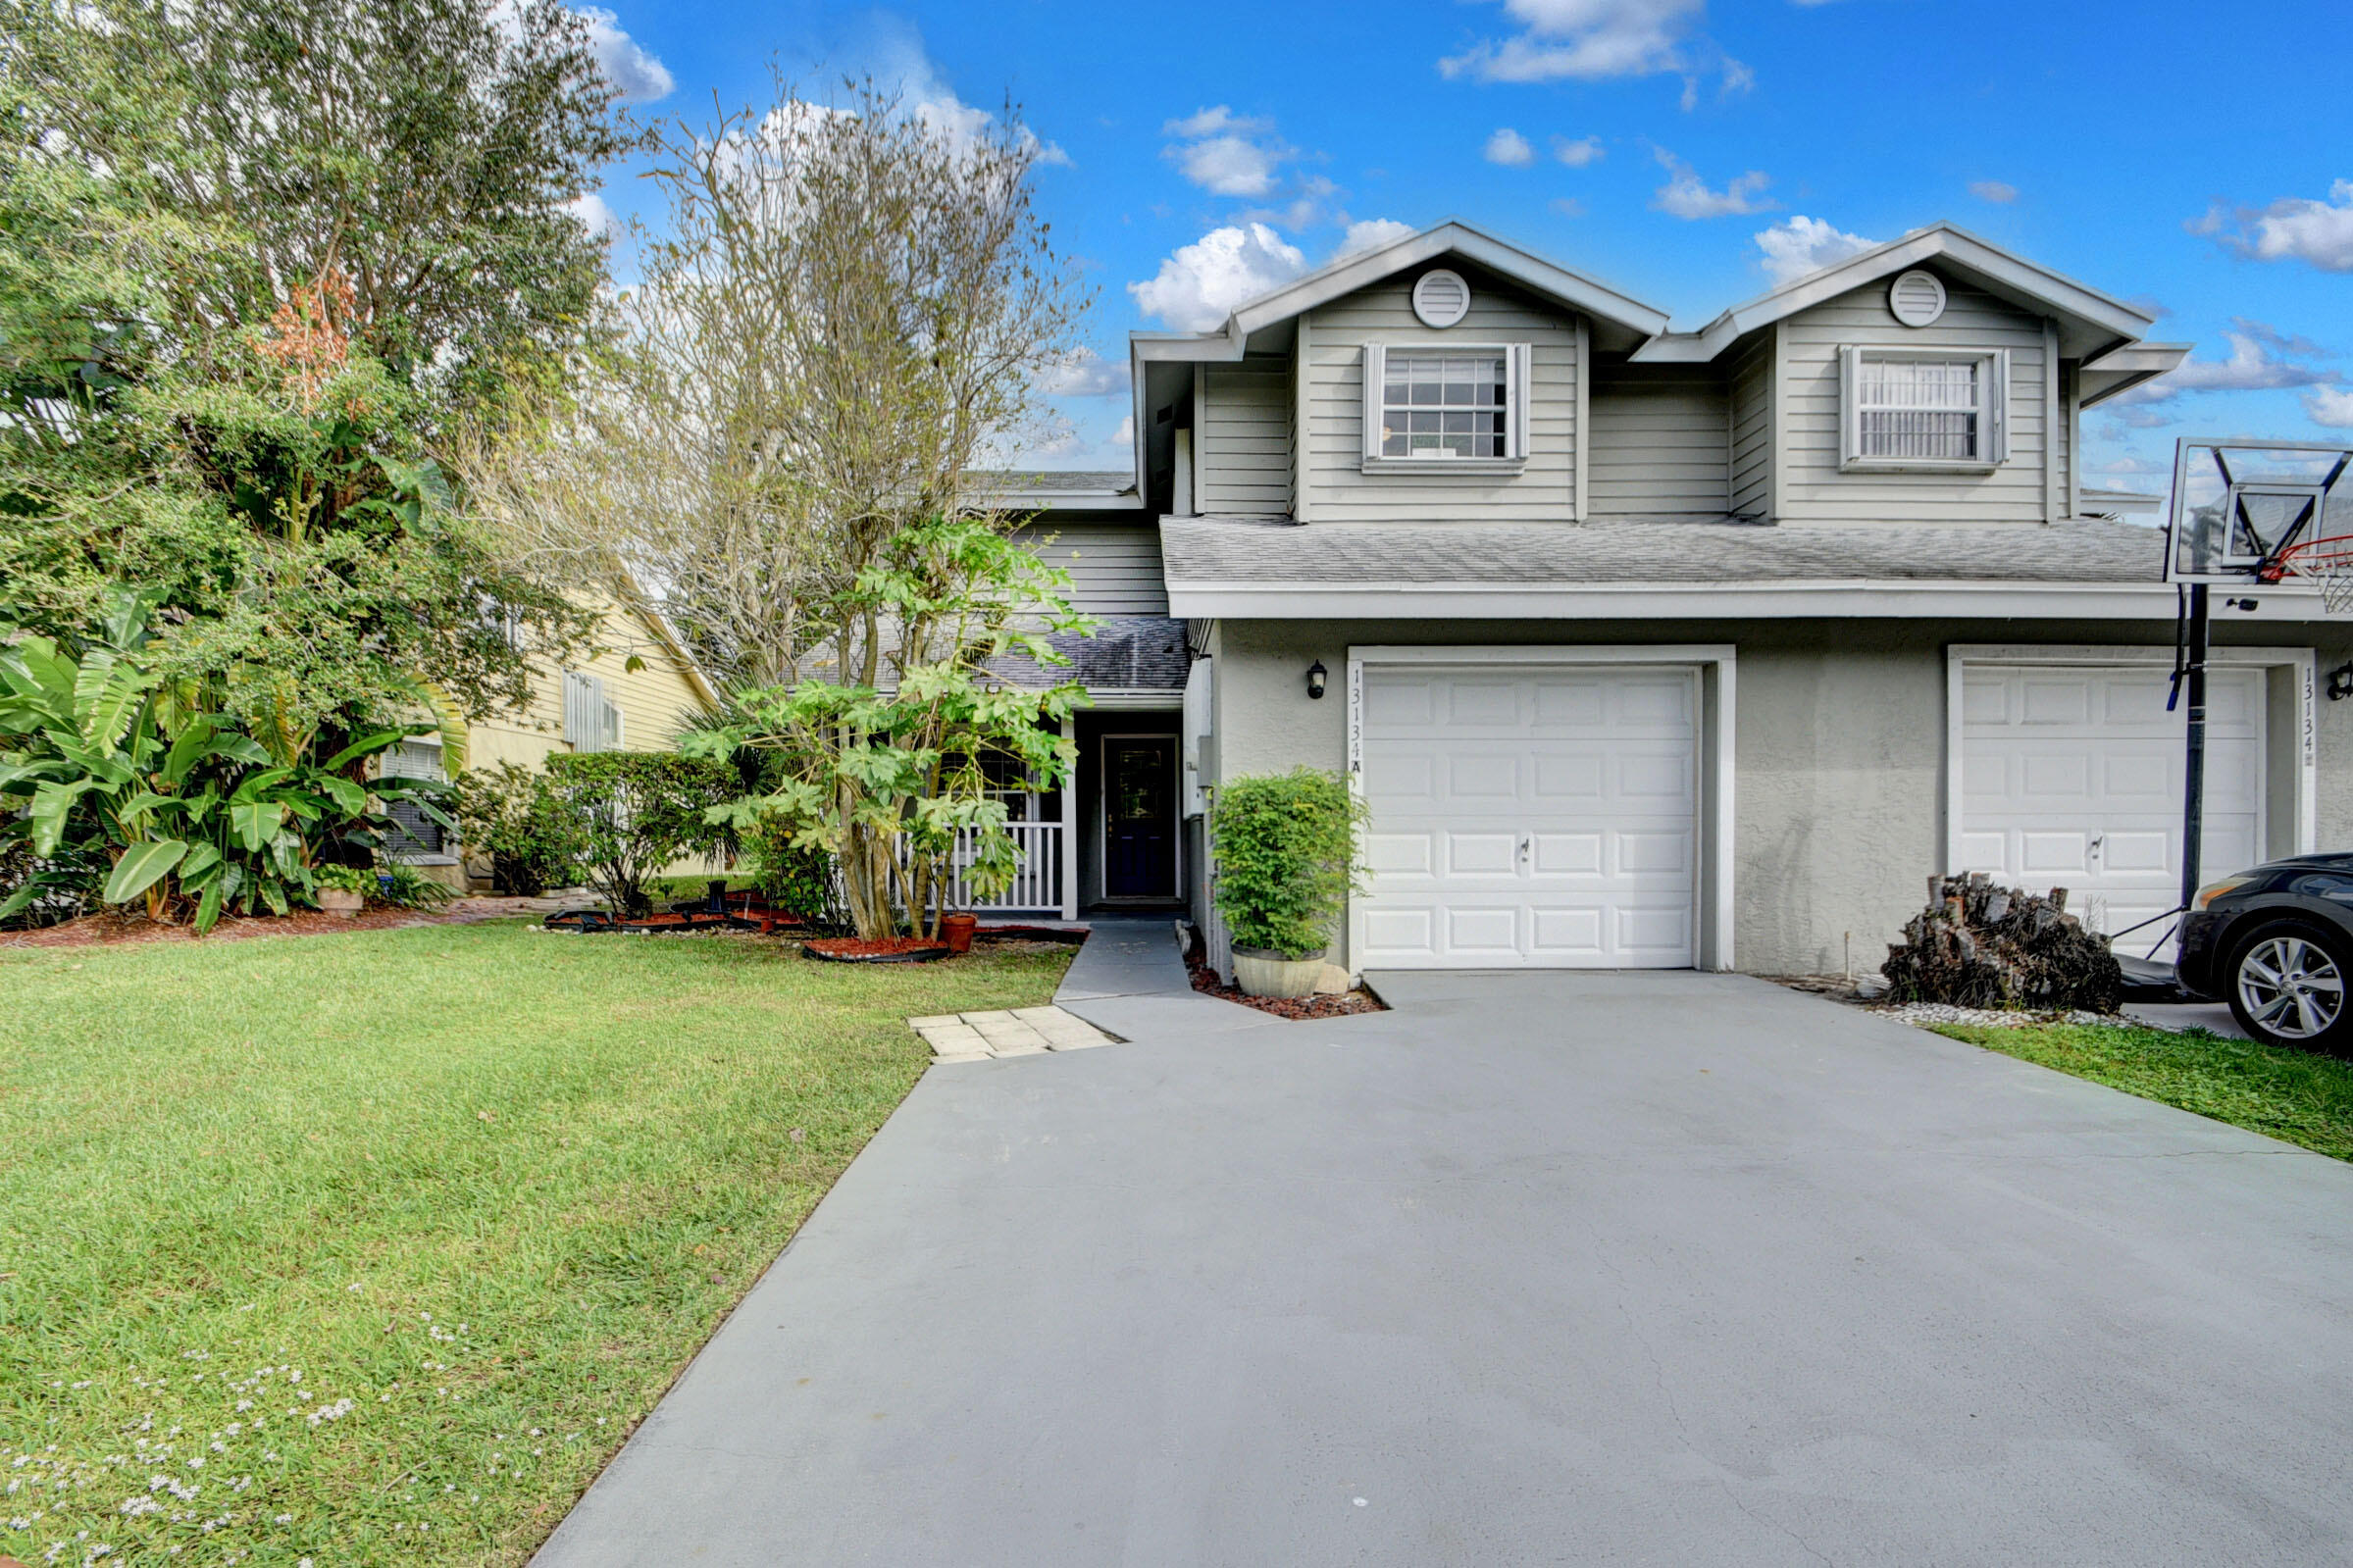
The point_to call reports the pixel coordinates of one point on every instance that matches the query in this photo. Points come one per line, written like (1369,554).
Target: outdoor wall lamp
(1316,675)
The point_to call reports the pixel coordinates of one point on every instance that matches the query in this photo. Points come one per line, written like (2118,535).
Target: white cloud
(1993,191)
(1510,148)
(595,215)
(1212,121)
(2330,407)
(637,75)
(2292,228)
(1199,286)
(1584,40)
(1798,246)
(2131,465)
(1228,154)
(1083,373)
(1579,153)
(2261,358)
(1567,206)
(1371,235)
(1686,195)
(1230,166)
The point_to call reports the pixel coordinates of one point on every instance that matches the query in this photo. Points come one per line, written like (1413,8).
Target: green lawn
(2296,1096)
(371,1247)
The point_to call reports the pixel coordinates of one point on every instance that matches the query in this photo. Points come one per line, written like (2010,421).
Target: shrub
(404,886)
(512,816)
(637,811)
(796,878)
(345,879)
(1286,858)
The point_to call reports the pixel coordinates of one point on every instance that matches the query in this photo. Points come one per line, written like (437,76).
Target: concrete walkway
(1130,979)
(1670,1267)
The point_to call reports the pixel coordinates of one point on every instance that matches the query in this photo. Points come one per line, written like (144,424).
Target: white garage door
(2072,778)
(1530,818)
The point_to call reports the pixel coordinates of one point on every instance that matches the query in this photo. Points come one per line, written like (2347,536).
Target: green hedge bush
(1286,858)
(511,814)
(637,811)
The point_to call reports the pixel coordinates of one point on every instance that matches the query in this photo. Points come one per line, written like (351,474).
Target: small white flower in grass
(304,1563)
(284,1519)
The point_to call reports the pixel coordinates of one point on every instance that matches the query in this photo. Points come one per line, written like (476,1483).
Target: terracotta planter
(341,901)
(1262,973)
(956,930)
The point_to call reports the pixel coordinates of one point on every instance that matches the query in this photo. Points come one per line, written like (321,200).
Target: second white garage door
(2072,778)
(1530,818)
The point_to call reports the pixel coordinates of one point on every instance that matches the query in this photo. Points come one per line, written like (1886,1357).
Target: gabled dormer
(1446,374)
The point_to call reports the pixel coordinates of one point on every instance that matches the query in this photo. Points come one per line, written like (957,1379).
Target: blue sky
(1684,152)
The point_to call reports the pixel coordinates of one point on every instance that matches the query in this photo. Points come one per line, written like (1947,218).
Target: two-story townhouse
(1659,649)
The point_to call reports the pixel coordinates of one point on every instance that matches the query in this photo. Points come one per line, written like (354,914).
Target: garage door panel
(1402,780)
(1545,817)
(1566,931)
(1655,779)
(1480,854)
(1653,932)
(1401,854)
(1569,703)
(1475,704)
(1568,777)
(2094,803)
(1491,932)
(1566,854)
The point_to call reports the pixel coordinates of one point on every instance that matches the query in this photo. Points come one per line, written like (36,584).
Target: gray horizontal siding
(1114,567)
(1339,491)
(1245,438)
(1814,490)
(1659,446)
(1752,434)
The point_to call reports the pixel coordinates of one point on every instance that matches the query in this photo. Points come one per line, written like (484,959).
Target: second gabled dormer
(1446,375)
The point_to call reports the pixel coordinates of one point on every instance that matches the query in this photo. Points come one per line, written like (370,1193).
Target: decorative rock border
(1023,1032)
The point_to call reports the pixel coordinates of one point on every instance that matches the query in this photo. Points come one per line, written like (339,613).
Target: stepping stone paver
(1025,1031)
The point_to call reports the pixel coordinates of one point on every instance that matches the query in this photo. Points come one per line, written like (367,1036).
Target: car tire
(2290,983)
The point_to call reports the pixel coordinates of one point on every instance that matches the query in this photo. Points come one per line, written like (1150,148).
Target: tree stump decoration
(1980,945)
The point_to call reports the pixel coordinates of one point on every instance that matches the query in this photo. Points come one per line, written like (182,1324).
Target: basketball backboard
(2238,507)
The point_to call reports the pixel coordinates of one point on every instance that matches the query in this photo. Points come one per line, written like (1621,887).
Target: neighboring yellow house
(634,688)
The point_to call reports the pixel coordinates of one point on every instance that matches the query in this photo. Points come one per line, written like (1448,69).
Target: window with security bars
(1907,409)
(1446,405)
(415,834)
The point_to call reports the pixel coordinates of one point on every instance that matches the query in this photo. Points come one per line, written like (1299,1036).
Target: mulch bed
(1320,1005)
(108,929)
(875,950)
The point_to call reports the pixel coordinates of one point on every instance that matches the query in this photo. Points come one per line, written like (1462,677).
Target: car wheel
(2288,986)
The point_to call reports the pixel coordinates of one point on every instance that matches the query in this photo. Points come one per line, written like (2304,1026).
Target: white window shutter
(1850,426)
(1997,408)
(1376,366)
(1518,387)
(585,725)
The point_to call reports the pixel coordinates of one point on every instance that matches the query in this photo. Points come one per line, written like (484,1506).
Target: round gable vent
(1441,298)
(1918,298)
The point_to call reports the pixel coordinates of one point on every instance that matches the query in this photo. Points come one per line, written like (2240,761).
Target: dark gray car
(2276,943)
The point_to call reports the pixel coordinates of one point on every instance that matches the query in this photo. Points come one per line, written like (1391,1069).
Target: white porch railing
(1038,886)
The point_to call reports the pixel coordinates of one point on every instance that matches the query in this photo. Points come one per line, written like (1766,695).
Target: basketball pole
(2193,773)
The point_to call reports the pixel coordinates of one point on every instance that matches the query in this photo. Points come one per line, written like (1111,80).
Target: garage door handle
(1525,841)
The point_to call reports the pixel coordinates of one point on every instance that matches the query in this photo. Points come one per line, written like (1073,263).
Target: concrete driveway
(1666,1268)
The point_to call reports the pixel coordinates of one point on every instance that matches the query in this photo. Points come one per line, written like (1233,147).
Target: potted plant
(343,889)
(1286,863)
(956,930)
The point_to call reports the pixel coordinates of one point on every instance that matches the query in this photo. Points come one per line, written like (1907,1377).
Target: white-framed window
(1924,408)
(1463,404)
(591,723)
(417,837)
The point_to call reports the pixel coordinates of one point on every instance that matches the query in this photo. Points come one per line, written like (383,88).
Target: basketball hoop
(2328,564)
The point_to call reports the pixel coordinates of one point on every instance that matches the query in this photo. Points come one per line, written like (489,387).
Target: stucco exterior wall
(1839,748)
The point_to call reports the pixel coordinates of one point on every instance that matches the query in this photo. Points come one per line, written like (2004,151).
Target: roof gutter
(1859,598)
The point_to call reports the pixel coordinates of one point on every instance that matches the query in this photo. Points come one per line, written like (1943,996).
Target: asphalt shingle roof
(1212,550)
(1125,653)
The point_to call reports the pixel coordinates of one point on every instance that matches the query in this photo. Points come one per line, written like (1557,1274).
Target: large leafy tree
(254,260)
(852,308)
